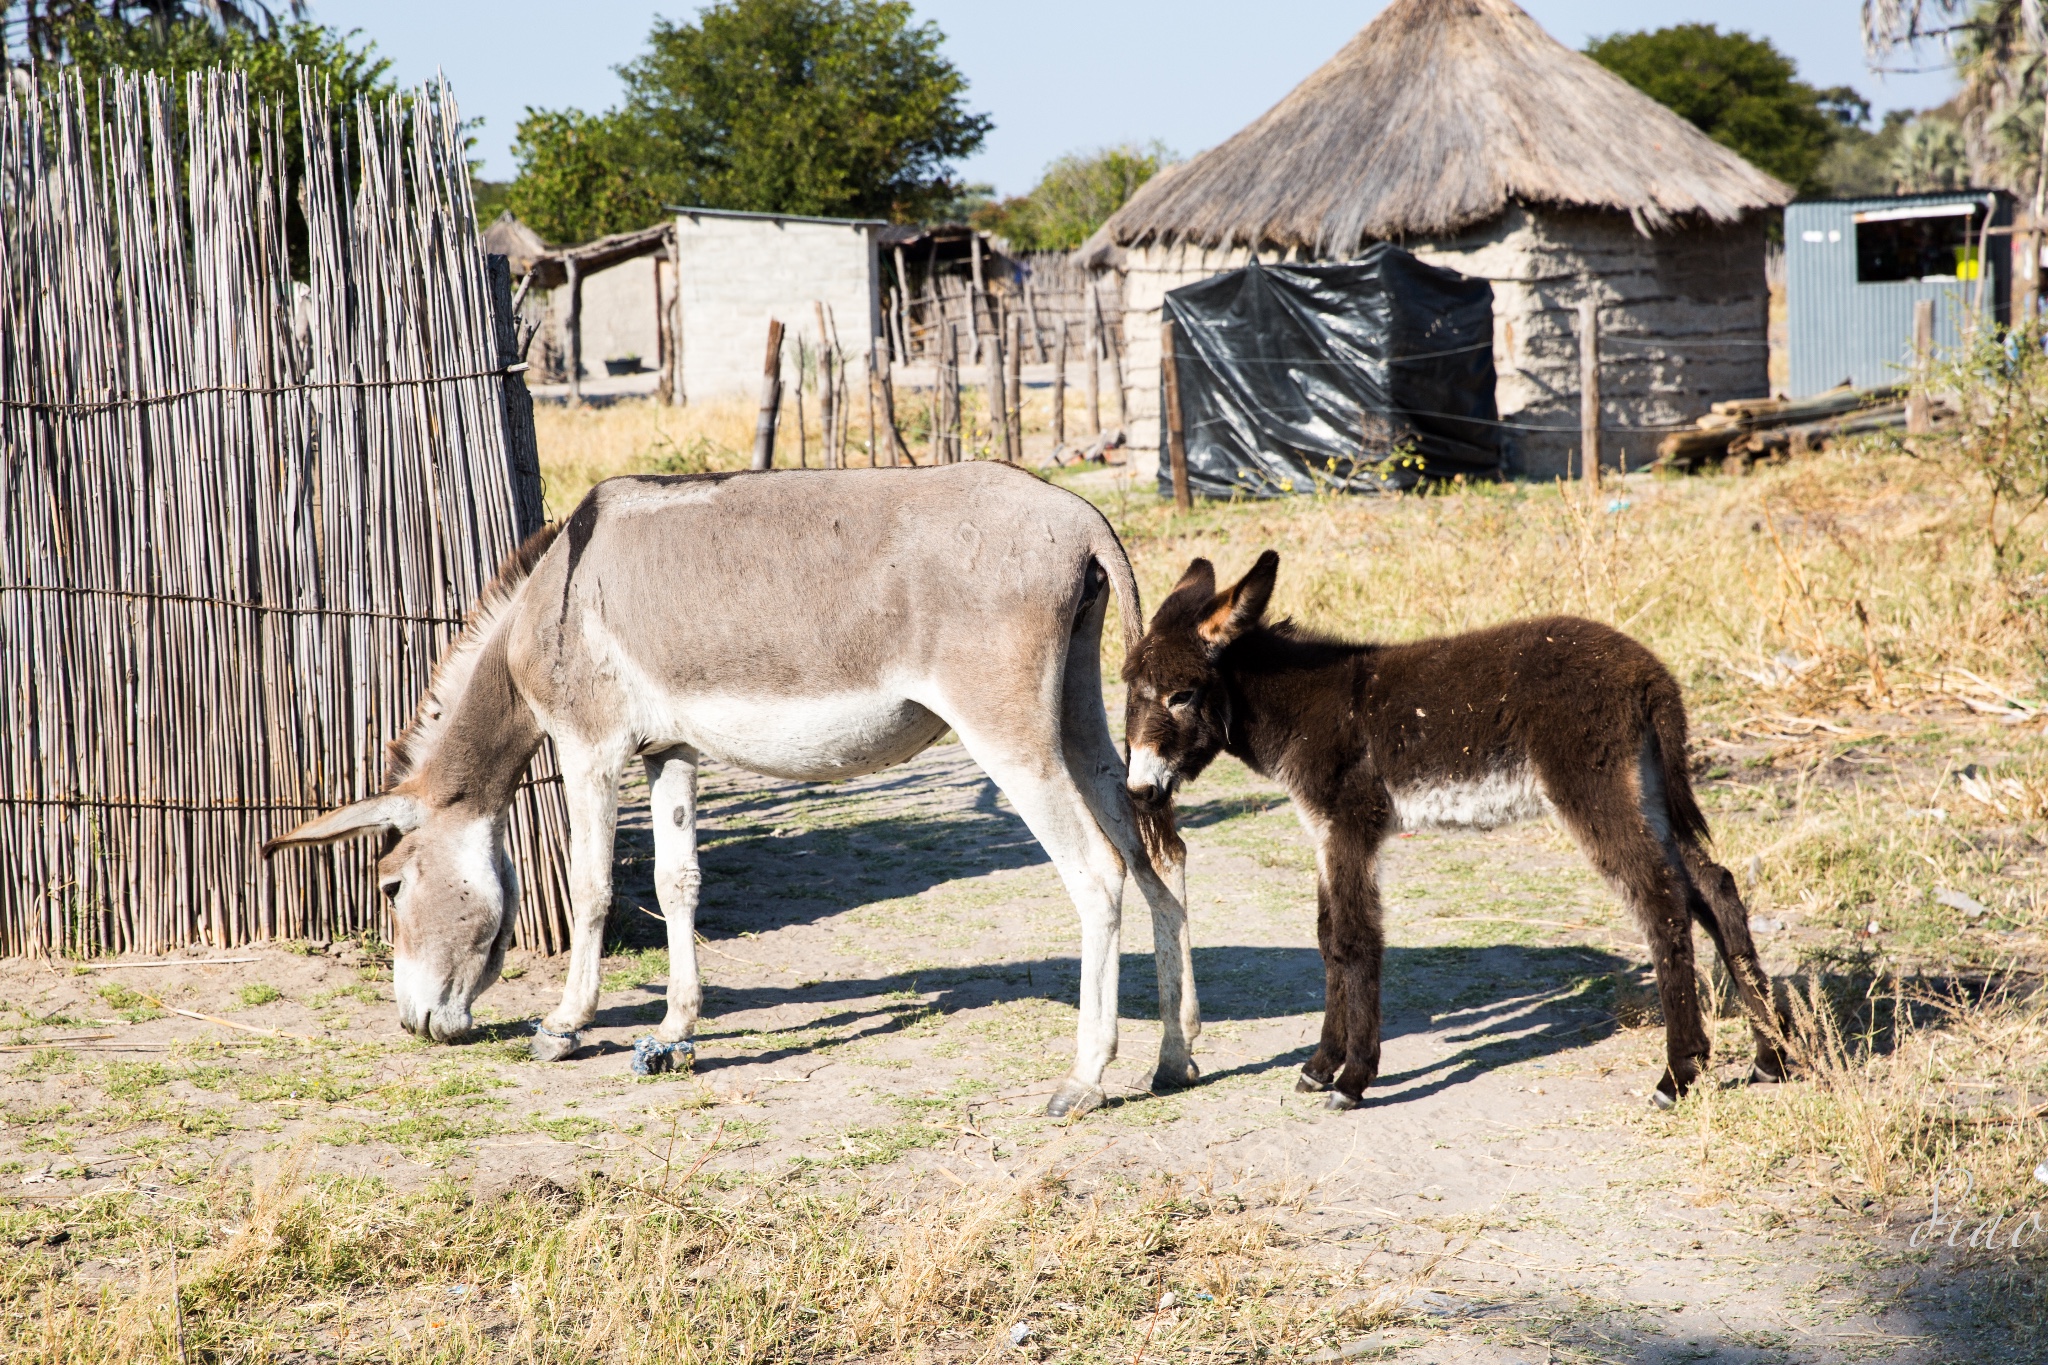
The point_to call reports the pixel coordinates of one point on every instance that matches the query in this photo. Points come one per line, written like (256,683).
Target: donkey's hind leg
(1719,909)
(1030,771)
(1618,837)
(1099,771)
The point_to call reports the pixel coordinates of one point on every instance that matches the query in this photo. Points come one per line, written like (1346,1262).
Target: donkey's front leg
(672,784)
(590,783)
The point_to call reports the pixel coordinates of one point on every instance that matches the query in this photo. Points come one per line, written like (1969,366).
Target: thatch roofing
(1434,118)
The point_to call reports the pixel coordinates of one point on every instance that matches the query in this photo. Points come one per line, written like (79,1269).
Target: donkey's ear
(1198,581)
(1233,613)
(393,810)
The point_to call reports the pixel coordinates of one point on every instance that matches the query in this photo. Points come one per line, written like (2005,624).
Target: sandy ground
(880,945)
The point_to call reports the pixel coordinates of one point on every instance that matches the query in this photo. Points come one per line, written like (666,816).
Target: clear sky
(1057,75)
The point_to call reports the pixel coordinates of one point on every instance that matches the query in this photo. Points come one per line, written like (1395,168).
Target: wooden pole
(664,343)
(1116,373)
(1176,443)
(771,399)
(1589,393)
(998,401)
(874,451)
(828,453)
(1059,390)
(949,397)
(977,298)
(902,307)
(572,331)
(1013,409)
(1094,325)
(1919,419)
(1031,311)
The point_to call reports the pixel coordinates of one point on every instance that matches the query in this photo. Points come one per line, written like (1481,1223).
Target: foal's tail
(1155,824)
(1667,722)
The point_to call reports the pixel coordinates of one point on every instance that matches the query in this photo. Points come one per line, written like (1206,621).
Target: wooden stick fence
(243,515)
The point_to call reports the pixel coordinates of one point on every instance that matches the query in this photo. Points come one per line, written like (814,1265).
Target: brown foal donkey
(1557,715)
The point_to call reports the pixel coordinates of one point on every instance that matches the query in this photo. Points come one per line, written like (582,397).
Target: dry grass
(665,1269)
(1749,588)
(581,446)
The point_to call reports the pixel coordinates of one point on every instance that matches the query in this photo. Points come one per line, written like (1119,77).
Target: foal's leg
(1350,930)
(1099,771)
(1029,771)
(672,787)
(590,784)
(1718,907)
(1617,837)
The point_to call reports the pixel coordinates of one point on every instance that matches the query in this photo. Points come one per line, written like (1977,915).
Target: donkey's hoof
(1759,1074)
(549,1046)
(1339,1101)
(1073,1097)
(1663,1099)
(1175,1076)
(1309,1085)
(651,1056)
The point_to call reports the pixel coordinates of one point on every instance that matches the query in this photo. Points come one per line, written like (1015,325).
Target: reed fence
(1047,291)
(243,513)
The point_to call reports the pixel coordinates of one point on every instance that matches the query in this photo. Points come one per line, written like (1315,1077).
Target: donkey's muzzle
(446,1021)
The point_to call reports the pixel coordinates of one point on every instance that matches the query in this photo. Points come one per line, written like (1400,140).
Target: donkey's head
(1177,710)
(452,890)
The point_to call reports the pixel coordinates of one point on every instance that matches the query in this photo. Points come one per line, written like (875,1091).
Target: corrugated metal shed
(1854,268)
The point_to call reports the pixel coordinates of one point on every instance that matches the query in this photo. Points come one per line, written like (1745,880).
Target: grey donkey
(804,625)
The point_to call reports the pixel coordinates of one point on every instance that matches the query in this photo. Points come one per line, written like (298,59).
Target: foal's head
(1177,711)
(451,887)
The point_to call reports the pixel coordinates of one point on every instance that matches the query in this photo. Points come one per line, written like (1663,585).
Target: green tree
(1740,91)
(580,176)
(269,55)
(1930,157)
(831,107)
(42,32)
(1860,161)
(1074,197)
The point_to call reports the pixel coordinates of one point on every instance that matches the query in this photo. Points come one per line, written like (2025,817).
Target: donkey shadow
(1496,1005)
(1509,1004)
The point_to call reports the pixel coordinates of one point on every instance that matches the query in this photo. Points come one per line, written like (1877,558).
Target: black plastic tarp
(1372,374)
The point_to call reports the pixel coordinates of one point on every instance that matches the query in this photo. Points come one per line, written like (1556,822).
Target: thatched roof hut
(1463,131)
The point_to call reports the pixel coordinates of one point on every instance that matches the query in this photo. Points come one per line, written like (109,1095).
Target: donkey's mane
(451,675)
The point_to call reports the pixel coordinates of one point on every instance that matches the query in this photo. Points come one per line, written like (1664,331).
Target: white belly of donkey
(807,738)
(1497,799)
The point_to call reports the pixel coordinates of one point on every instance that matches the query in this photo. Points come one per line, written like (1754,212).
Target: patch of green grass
(125,1080)
(362,991)
(570,1127)
(645,966)
(45,1061)
(258,993)
(129,1003)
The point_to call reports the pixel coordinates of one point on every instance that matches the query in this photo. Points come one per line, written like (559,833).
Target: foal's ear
(393,811)
(1199,580)
(1233,613)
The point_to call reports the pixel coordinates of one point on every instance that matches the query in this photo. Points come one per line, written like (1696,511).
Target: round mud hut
(1462,131)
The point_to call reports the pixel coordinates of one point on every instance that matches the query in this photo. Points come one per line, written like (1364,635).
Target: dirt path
(890,975)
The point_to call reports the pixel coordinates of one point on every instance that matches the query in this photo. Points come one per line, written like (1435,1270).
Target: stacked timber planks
(1757,428)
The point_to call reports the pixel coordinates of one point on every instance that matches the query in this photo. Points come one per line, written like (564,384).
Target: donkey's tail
(1667,722)
(1155,824)
(1108,553)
